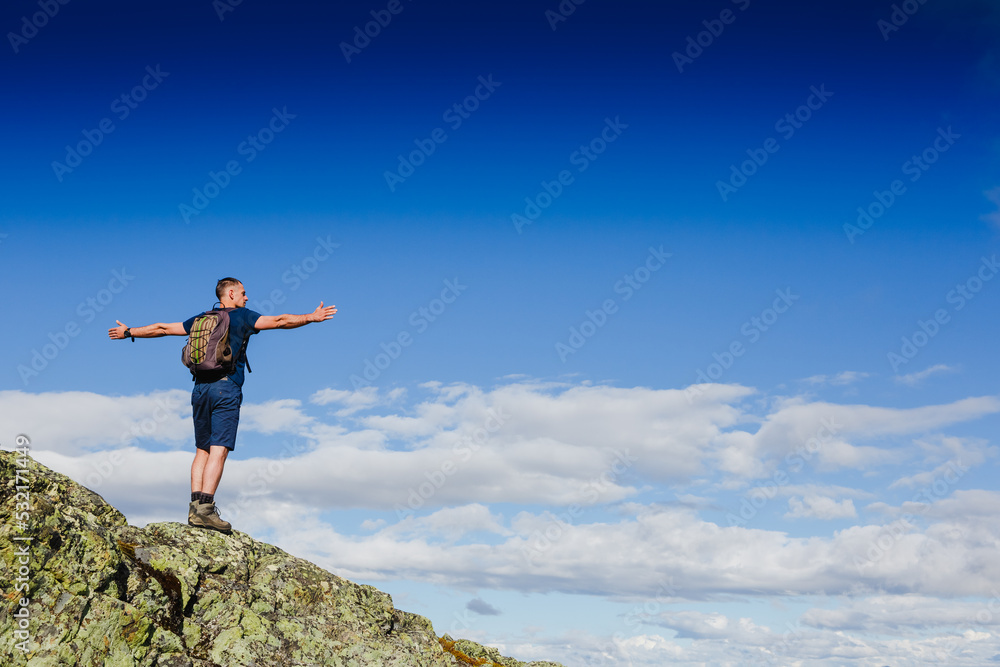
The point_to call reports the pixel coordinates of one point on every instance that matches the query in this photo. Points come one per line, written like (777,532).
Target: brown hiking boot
(192,510)
(207,516)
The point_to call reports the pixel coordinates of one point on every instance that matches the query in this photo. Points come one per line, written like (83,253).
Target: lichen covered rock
(102,593)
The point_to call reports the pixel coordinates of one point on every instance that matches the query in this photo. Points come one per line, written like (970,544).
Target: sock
(195,495)
(207,498)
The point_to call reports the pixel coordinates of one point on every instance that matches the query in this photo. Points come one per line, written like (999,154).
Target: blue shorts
(215,407)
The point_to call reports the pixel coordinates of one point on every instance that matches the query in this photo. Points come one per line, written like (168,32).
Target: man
(215,401)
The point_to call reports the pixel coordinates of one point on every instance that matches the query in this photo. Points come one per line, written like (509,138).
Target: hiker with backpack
(216,356)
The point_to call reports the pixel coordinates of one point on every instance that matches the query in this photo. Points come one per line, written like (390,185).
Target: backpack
(207,352)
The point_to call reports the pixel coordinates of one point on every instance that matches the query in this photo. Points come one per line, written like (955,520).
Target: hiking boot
(192,510)
(207,516)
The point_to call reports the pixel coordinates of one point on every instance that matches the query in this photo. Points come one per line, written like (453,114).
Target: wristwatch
(128,334)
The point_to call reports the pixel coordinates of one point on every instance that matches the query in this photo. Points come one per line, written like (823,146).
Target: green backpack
(207,352)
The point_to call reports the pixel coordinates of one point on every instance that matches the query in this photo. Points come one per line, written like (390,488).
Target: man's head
(231,293)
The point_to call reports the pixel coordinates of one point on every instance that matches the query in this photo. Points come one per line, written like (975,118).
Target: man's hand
(118,332)
(322,314)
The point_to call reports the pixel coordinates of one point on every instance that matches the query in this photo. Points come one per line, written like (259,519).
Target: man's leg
(206,471)
(223,416)
(201,411)
(216,412)
(198,470)
(215,462)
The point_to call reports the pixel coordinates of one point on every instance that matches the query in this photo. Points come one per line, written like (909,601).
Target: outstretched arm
(321,314)
(148,331)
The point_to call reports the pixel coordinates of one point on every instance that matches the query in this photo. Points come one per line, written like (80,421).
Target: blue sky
(619,373)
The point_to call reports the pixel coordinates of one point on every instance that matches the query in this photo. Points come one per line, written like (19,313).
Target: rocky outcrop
(89,590)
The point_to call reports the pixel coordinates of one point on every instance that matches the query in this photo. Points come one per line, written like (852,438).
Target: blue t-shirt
(241,325)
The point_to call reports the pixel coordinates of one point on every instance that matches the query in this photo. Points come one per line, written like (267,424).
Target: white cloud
(559,454)
(953,458)
(788,645)
(583,648)
(145,486)
(829,431)
(451,523)
(976,508)
(365,396)
(354,401)
(669,435)
(839,380)
(554,449)
(913,379)
(354,471)
(854,634)
(279,416)
(814,490)
(548,443)
(888,614)
(542,552)
(648,647)
(698,625)
(73,422)
(820,507)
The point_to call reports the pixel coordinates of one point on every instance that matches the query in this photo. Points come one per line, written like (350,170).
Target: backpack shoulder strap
(243,353)
(243,350)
